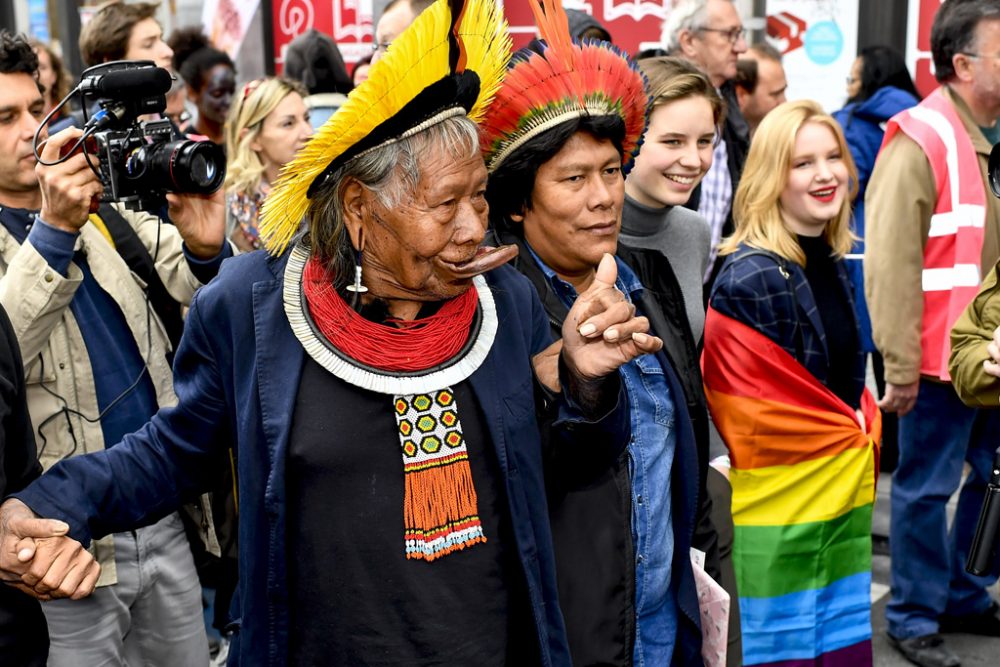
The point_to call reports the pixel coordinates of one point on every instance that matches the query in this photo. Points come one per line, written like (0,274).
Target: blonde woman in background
(267,125)
(784,376)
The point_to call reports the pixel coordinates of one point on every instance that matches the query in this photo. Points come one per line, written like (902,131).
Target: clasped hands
(600,333)
(38,557)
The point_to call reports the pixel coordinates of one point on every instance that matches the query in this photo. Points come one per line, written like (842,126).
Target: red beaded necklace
(403,345)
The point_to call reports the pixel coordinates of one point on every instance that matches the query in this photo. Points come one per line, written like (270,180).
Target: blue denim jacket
(651,457)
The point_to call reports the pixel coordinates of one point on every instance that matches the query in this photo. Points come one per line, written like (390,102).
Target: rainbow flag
(803,476)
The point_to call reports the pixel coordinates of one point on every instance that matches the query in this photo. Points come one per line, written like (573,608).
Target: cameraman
(96,365)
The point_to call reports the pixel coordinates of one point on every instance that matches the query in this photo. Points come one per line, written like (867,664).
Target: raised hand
(601,331)
(68,189)
(38,558)
(201,220)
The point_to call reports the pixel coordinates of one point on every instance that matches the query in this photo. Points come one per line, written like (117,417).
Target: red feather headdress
(567,80)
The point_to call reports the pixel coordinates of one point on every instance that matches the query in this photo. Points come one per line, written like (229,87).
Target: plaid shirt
(716,199)
(752,290)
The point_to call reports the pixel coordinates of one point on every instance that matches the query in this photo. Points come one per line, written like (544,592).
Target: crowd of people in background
(658,290)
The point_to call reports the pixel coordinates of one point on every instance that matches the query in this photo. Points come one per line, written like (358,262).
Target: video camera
(982,558)
(139,161)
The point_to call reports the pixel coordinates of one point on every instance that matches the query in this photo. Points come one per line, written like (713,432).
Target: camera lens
(185,166)
(202,171)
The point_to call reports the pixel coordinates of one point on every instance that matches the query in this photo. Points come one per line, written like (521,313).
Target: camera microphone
(141,81)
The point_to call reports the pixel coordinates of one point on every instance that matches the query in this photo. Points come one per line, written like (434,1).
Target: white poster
(819,40)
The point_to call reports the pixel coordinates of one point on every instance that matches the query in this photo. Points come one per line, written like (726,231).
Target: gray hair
(954,31)
(391,172)
(684,15)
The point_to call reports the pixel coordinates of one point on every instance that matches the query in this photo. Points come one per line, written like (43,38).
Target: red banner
(630,22)
(349,22)
(923,75)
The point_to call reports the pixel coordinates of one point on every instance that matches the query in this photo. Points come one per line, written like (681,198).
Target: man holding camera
(95,358)
(932,232)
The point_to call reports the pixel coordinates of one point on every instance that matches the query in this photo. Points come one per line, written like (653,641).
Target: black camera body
(140,161)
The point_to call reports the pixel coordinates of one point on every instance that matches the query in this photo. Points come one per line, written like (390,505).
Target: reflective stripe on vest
(953,250)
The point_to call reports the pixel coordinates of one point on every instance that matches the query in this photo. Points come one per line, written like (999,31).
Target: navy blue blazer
(237,373)
(751,288)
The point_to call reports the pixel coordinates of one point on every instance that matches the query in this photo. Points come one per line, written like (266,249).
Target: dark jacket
(24,636)
(752,289)
(663,304)
(590,506)
(862,124)
(736,133)
(237,374)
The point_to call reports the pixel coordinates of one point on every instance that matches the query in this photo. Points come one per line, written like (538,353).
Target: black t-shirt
(837,316)
(354,598)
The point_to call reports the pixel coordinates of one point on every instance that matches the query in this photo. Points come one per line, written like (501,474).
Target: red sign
(631,23)
(923,75)
(348,22)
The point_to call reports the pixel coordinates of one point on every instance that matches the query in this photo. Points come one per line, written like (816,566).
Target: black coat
(590,502)
(24,636)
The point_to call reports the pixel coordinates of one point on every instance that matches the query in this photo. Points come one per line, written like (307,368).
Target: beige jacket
(899,203)
(56,363)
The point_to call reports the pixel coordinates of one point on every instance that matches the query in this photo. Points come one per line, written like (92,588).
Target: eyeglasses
(380,46)
(979,55)
(733,35)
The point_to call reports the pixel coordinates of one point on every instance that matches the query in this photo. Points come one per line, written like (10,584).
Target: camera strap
(137,257)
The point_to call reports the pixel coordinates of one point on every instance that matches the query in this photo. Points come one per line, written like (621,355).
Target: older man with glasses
(396,17)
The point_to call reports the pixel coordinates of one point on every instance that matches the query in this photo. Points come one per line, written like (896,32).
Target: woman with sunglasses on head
(784,375)
(268,124)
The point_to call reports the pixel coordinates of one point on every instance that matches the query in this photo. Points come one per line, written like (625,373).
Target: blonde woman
(784,377)
(267,125)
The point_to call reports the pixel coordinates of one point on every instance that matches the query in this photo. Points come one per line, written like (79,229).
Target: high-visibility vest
(953,252)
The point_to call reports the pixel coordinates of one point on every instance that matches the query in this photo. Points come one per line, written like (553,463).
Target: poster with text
(348,22)
(819,40)
(632,24)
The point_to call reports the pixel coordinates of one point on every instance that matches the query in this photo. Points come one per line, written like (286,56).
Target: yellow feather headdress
(451,60)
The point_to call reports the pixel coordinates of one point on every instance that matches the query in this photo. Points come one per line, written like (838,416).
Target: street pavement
(974,651)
